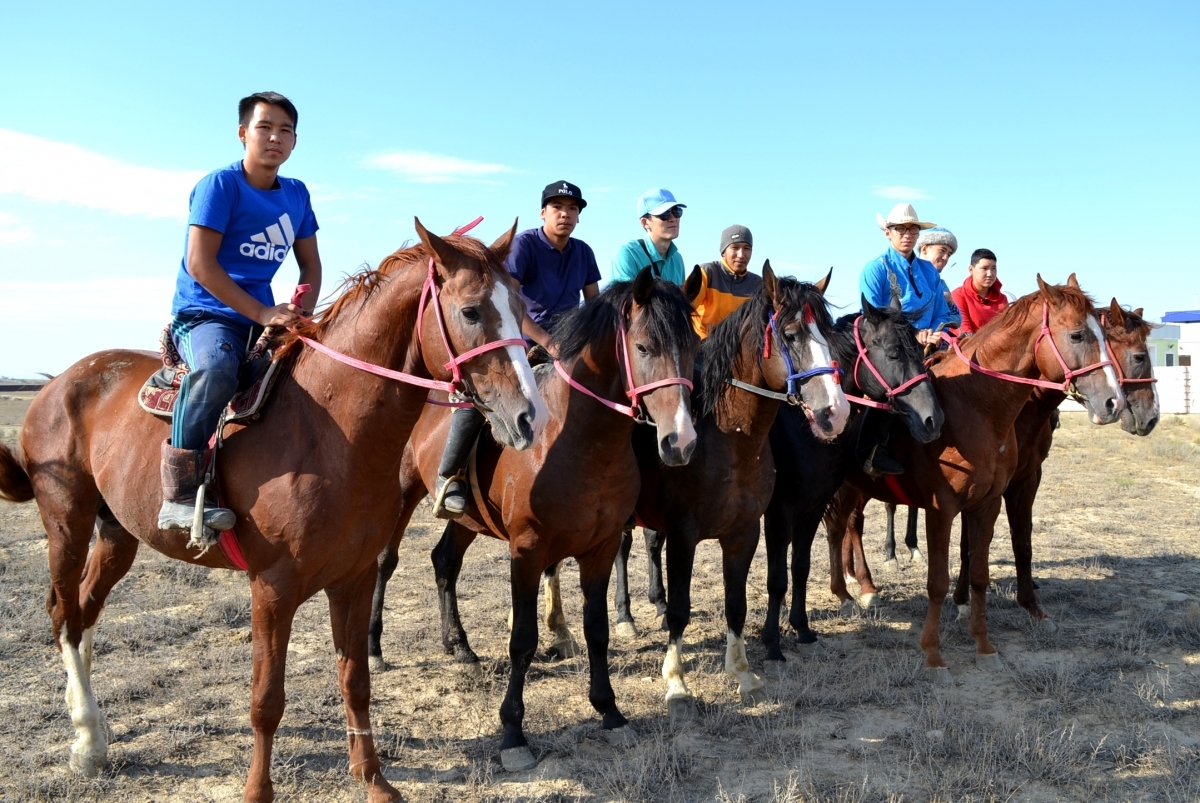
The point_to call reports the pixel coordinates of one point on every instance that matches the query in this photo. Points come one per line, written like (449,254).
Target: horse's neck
(740,412)
(596,369)
(1014,355)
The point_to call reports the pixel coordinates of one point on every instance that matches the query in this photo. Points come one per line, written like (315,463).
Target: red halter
(1116,364)
(456,384)
(633,409)
(890,391)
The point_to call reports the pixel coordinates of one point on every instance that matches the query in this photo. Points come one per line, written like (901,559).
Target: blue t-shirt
(632,257)
(919,284)
(551,280)
(259,228)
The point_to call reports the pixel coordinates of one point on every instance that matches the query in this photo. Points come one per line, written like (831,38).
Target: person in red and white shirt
(979,299)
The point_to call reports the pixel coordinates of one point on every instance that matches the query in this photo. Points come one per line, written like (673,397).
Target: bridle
(1116,364)
(634,409)
(1067,386)
(457,384)
(890,392)
(794,378)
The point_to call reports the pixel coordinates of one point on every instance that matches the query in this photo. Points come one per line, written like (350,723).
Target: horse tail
(14,481)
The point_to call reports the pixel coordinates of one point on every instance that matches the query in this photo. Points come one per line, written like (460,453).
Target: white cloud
(13,229)
(431,168)
(64,173)
(899,192)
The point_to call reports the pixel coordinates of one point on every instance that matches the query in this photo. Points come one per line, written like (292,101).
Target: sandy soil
(1103,709)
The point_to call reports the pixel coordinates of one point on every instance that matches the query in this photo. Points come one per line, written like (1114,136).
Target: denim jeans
(214,349)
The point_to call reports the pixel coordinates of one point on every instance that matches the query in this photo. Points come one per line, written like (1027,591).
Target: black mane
(669,316)
(845,350)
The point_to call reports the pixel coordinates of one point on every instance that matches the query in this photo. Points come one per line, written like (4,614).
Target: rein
(889,391)
(633,409)
(1116,364)
(1066,386)
(429,290)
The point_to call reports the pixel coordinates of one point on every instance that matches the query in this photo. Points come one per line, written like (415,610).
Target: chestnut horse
(723,491)
(570,494)
(967,469)
(882,358)
(312,481)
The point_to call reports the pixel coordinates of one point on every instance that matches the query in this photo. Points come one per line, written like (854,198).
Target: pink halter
(429,290)
(633,409)
(1116,364)
(1068,374)
(890,391)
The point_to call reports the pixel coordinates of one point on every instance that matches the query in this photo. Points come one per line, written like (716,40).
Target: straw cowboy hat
(902,215)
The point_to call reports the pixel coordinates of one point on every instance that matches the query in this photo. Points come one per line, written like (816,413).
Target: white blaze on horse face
(839,412)
(90,750)
(737,664)
(685,433)
(672,672)
(1114,384)
(510,328)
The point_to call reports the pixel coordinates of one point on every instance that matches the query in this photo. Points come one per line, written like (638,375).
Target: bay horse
(312,481)
(982,388)
(570,494)
(724,490)
(884,369)
(1125,333)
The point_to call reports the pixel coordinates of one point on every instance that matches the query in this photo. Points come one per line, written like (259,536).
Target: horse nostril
(525,426)
(1110,404)
(929,423)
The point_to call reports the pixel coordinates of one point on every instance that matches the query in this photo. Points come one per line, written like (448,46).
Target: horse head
(802,330)
(1077,349)
(477,303)
(1126,333)
(889,344)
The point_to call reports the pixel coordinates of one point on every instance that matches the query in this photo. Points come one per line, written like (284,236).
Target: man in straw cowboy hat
(900,273)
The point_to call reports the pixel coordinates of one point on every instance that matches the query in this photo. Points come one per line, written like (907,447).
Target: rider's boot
(182,474)
(450,495)
(872,449)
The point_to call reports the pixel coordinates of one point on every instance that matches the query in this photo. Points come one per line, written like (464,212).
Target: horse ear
(1116,313)
(1049,291)
(1072,281)
(445,255)
(895,304)
(643,286)
(691,287)
(824,283)
(868,309)
(770,283)
(1138,312)
(503,243)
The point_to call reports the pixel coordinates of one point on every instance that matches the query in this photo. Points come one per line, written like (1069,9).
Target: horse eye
(1139,358)
(642,350)
(1077,337)
(471,314)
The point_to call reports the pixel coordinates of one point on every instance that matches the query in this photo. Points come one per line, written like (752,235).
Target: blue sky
(1061,135)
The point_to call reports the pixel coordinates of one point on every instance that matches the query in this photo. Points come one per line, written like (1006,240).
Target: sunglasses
(674,212)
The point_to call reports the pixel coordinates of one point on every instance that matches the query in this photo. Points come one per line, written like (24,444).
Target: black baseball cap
(563,189)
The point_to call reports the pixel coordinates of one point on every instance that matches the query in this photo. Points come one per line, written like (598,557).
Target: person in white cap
(900,273)
(660,215)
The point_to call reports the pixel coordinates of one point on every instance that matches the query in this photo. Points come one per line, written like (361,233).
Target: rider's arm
(202,264)
(591,290)
(309,260)
(531,330)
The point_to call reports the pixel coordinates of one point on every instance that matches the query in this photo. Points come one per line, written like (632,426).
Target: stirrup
(876,472)
(439,500)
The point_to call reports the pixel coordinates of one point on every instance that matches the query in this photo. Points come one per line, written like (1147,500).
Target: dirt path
(1105,708)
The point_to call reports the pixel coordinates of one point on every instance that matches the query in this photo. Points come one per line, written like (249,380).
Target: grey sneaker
(179,515)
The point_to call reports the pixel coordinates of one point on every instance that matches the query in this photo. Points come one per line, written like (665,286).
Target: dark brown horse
(312,482)
(1051,333)
(570,494)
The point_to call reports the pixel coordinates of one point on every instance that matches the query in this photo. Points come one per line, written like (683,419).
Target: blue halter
(794,377)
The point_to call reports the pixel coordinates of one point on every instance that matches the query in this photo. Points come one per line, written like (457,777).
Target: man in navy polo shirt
(553,269)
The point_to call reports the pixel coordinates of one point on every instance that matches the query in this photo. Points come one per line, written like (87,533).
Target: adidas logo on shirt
(274,243)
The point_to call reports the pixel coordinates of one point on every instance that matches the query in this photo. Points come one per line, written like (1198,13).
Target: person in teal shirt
(660,214)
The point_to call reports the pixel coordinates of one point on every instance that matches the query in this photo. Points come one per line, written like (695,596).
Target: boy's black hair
(246,106)
(982,253)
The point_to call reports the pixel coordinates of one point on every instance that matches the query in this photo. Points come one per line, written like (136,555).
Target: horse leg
(937,538)
(655,591)
(386,565)
(836,522)
(910,535)
(515,754)
(626,628)
(272,610)
(802,541)
(565,645)
(962,587)
(889,544)
(778,526)
(867,591)
(737,553)
(447,563)
(681,553)
(982,525)
(350,616)
(594,572)
(1018,503)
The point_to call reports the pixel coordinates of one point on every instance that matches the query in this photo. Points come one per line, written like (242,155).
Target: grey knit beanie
(736,234)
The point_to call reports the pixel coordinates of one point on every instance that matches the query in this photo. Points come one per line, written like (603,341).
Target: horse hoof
(847,609)
(626,631)
(1049,626)
(88,764)
(376,663)
(891,565)
(662,624)
(753,697)
(989,662)
(775,666)
(568,648)
(469,669)
(680,709)
(917,556)
(517,759)
(964,613)
(939,674)
(625,736)
(866,601)
(809,648)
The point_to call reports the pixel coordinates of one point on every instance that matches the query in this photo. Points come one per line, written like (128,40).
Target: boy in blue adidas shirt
(244,220)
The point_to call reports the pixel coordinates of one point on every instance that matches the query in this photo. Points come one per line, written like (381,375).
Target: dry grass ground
(1103,709)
